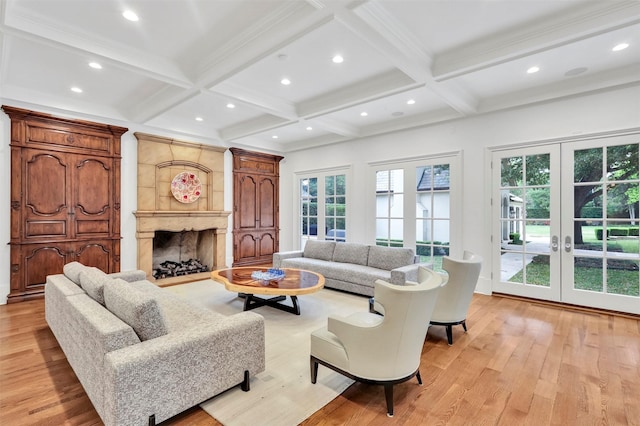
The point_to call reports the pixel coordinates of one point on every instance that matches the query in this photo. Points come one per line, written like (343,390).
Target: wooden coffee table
(295,283)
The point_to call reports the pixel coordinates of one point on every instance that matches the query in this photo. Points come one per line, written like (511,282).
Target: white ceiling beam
(268,104)
(629,75)
(578,24)
(400,46)
(48,33)
(335,126)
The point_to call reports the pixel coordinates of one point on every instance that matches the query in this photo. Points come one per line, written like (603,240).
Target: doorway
(566,222)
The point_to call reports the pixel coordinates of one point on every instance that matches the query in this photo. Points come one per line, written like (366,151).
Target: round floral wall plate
(186,187)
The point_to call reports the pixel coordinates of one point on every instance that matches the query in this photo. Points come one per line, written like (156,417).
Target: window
(413,207)
(323,217)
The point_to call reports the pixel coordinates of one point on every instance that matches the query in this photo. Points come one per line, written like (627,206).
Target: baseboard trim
(568,306)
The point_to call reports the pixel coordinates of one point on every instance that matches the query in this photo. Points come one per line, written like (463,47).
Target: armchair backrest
(455,296)
(392,349)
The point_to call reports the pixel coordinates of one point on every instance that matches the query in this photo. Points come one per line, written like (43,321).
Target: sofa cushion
(389,258)
(72,271)
(351,253)
(140,310)
(92,281)
(322,250)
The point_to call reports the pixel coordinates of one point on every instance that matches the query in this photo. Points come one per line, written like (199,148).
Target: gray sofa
(144,354)
(353,267)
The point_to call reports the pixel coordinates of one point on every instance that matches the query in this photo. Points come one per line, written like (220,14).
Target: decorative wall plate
(186,187)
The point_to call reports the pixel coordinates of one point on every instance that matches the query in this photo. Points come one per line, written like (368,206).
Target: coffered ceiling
(179,68)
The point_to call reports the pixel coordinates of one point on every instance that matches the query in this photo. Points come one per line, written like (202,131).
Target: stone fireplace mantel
(148,222)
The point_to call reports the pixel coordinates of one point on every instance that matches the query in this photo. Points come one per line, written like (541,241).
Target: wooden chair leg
(388,393)
(314,371)
(450,334)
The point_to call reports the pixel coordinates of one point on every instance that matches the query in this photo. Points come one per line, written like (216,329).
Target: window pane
(622,162)
(511,171)
(396,180)
(329,185)
(587,165)
(538,169)
(397,205)
(382,205)
(341,185)
(537,203)
(382,229)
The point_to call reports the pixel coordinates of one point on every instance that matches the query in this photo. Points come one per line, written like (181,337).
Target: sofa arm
(130,276)
(408,273)
(169,374)
(279,257)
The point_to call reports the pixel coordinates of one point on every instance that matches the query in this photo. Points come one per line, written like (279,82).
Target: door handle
(567,244)
(554,243)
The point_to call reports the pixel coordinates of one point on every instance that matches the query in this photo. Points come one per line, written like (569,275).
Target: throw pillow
(389,258)
(136,308)
(72,271)
(92,281)
(351,253)
(322,250)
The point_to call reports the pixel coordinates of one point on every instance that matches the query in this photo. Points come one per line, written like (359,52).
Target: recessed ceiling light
(230,105)
(274,137)
(411,101)
(363,114)
(309,128)
(130,15)
(199,119)
(95,65)
(533,70)
(285,81)
(337,59)
(76,89)
(620,47)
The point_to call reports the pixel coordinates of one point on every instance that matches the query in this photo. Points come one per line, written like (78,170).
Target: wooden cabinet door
(46,195)
(92,194)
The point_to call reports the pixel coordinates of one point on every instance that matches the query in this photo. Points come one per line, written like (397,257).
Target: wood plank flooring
(521,363)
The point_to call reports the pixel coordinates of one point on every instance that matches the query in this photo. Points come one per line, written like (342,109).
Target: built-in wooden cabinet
(256,179)
(65,198)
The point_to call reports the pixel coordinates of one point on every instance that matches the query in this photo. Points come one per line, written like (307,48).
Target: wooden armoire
(256,180)
(65,198)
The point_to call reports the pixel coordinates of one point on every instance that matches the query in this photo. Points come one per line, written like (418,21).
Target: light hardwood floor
(520,363)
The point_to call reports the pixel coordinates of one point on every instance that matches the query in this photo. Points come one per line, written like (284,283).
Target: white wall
(614,110)
(600,112)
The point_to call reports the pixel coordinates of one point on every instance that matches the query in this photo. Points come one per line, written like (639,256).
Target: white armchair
(377,349)
(455,297)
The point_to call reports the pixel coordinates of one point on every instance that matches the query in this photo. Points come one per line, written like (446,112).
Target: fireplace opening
(182,253)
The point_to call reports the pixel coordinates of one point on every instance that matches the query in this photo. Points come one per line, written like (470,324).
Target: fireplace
(162,213)
(176,254)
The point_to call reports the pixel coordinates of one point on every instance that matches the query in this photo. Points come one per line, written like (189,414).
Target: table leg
(252,301)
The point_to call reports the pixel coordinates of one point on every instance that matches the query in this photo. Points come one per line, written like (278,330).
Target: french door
(566,225)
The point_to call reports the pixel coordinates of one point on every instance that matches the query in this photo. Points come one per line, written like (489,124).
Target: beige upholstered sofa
(144,354)
(353,267)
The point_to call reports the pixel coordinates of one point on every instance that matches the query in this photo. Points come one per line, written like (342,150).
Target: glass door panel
(523,236)
(601,256)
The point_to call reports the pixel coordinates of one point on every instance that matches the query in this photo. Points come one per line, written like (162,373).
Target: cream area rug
(283,394)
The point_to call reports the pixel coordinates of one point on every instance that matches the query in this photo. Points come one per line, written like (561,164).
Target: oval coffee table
(295,283)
